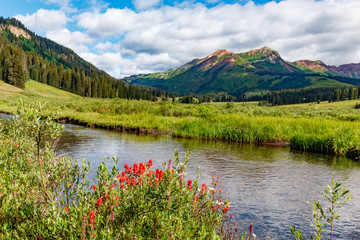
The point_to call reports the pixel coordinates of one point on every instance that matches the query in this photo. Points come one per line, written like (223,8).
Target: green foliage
(331,128)
(47,62)
(336,195)
(136,202)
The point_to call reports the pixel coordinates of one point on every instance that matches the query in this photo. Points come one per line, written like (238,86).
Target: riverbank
(327,128)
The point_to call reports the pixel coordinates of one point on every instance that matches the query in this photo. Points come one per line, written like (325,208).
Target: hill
(25,55)
(33,88)
(237,73)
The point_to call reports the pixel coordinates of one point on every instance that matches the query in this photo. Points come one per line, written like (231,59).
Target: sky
(127,37)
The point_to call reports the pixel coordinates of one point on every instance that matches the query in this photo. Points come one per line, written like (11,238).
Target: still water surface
(270,188)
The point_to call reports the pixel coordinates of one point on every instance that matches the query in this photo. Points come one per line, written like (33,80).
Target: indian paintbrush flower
(99,202)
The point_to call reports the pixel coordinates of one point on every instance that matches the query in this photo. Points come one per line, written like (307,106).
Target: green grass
(7,89)
(332,128)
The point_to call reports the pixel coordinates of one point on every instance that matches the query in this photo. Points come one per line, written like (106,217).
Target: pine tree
(67,80)
(18,77)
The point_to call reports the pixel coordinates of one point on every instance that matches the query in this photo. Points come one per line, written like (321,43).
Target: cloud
(161,38)
(103,46)
(44,20)
(65,5)
(119,66)
(145,4)
(76,40)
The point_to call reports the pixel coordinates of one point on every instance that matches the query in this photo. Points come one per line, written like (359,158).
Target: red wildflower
(189,184)
(214,208)
(141,168)
(99,202)
(226,209)
(135,167)
(92,217)
(66,209)
(203,188)
(150,163)
(250,230)
(133,182)
(116,199)
(94,187)
(150,183)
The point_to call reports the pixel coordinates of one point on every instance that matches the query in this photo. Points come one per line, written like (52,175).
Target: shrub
(45,197)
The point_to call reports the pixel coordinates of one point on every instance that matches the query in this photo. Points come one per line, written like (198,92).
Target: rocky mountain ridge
(236,73)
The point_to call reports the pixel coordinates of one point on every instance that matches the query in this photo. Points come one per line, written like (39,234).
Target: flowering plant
(43,196)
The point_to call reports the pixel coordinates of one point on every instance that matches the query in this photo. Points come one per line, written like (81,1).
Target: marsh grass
(332,128)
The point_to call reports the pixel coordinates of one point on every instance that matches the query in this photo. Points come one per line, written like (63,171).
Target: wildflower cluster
(134,202)
(105,110)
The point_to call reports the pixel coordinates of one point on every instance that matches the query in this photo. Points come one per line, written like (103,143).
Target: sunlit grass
(326,127)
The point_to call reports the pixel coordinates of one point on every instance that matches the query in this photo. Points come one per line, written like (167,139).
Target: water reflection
(270,188)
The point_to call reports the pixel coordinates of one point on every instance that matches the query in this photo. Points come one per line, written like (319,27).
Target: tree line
(305,95)
(45,61)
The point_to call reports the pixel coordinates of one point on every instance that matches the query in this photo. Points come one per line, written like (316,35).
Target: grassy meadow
(332,128)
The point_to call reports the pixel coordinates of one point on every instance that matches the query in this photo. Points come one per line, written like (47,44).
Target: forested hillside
(24,56)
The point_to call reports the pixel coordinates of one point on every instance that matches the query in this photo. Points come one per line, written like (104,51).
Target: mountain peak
(312,65)
(220,53)
(265,51)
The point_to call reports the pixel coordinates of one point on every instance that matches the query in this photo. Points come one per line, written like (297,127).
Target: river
(270,188)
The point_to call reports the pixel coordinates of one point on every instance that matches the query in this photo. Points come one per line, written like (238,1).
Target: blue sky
(125,37)
(10,8)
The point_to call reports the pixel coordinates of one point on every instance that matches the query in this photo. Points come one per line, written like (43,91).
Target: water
(270,188)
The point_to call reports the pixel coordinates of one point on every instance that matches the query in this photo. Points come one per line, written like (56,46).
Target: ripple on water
(270,188)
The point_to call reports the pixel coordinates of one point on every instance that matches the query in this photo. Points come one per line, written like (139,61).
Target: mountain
(25,55)
(237,73)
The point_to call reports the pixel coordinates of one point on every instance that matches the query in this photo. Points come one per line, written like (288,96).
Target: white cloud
(165,37)
(44,20)
(65,5)
(145,4)
(75,40)
(103,46)
(119,66)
